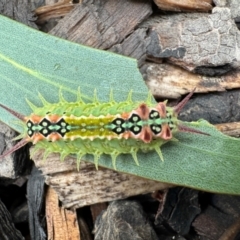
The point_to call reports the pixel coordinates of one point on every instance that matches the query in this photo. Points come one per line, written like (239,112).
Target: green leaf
(32,62)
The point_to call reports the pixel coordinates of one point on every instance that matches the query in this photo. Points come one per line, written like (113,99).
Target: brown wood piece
(134,46)
(232,231)
(59,9)
(96,209)
(219,219)
(185,5)
(101,24)
(231,129)
(61,223)
(88,186)
(169,81)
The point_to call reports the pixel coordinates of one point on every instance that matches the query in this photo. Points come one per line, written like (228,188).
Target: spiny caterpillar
(99,128)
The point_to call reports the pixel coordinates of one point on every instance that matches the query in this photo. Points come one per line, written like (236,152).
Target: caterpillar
(99,128)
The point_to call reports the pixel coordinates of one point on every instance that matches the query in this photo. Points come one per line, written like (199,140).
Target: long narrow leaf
(32,62)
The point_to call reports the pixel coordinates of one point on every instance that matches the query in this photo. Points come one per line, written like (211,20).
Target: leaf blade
(42,63)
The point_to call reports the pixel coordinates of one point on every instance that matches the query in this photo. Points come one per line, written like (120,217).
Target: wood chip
(88,186)
(59,9)
(101,24)
(7,227)
(199,42)
(61,223)
(184,5)
(231,129)
(169,81)
(14,164)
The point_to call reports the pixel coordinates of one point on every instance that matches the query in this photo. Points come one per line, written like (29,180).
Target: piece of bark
(7,164)
(135,46)
(19,10)
(221,214)
(124,220)
(227,204)
(88,186)
(180,208)
(85,232)
(35,197)
(20,214)
(211,223)
(203,43)
(169,81)
(233,5)
(230,129)
(96,209)
(102,24)
(184,5)
(232,231)
(218,217)
(7,228)
(216,108)
(55,10)
(61,223)
(16,164)
(220,3)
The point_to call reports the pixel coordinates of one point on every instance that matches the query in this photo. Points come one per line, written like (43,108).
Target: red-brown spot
(54,137)
(143,111)
(146,135)
(125,115)
(26,119)
(54,118)
(143,107)
(35,118)
(166,133)
(37,137)
(161,108)
(127,135)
